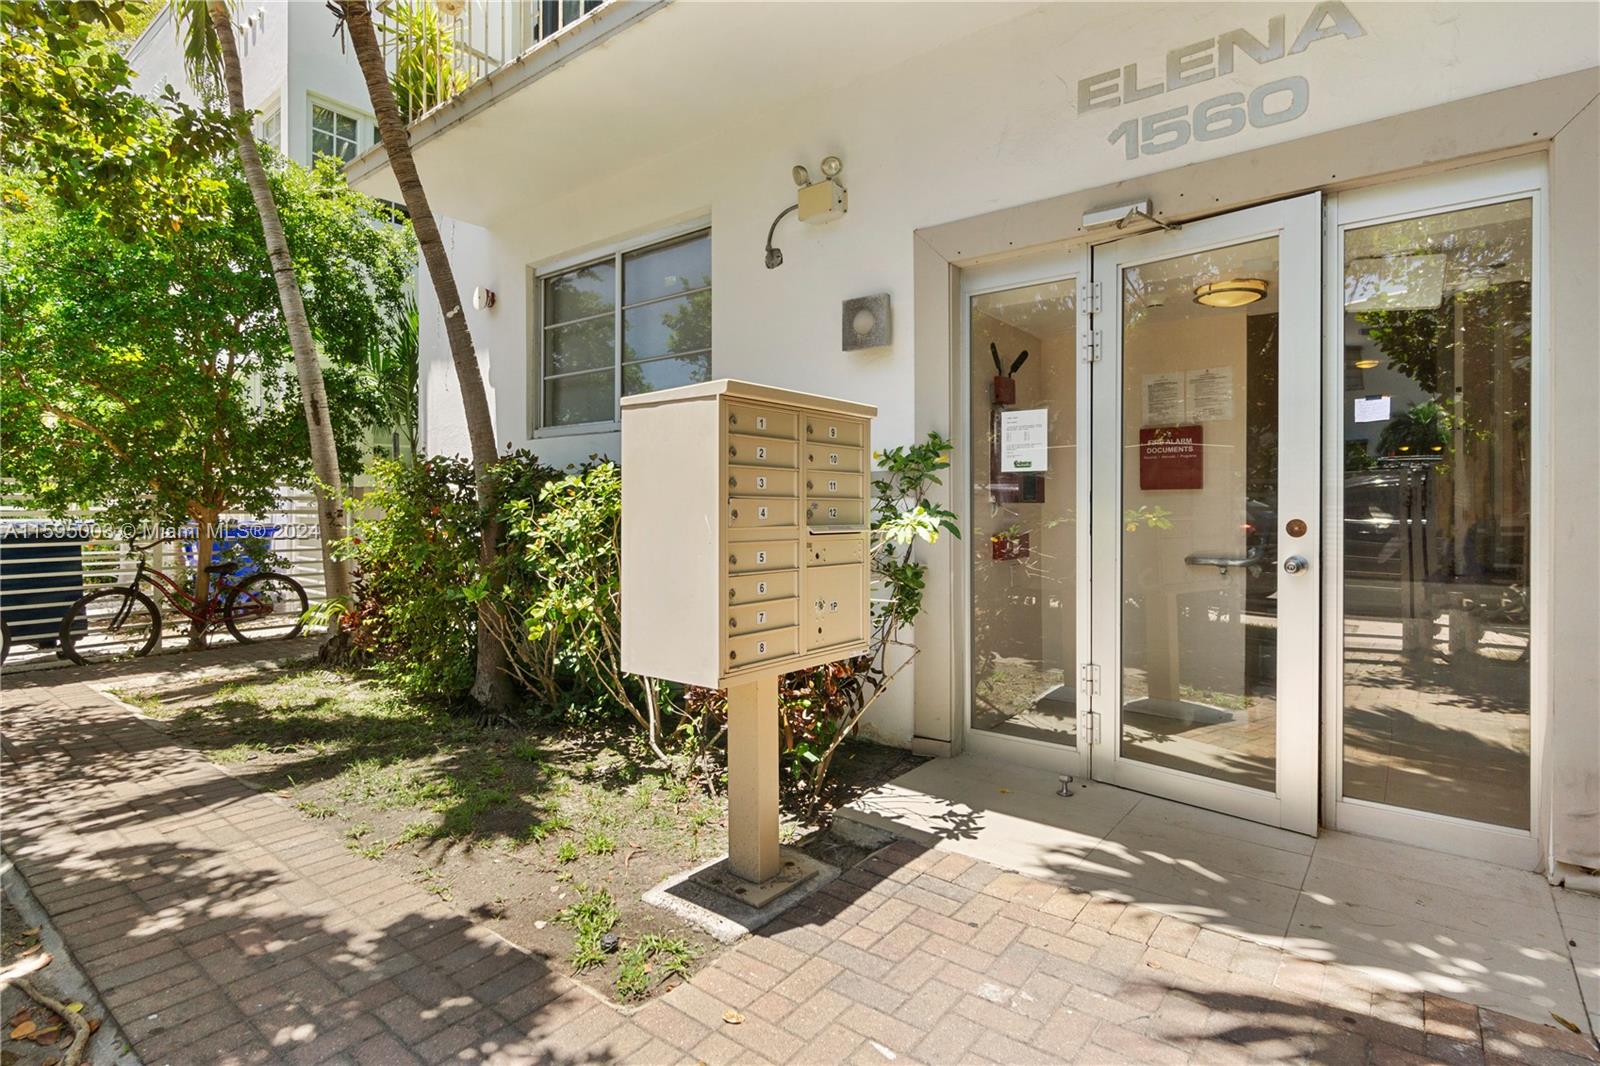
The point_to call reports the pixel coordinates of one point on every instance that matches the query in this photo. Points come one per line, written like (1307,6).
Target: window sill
(586,429)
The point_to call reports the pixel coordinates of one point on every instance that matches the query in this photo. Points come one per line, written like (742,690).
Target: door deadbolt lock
(1295,564)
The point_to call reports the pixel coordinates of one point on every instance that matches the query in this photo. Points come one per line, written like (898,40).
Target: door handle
(1224,563)
(1295,564)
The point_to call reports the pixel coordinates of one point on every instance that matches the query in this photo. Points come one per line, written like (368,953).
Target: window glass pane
(321,119)
(345,150)
(665,373)
(1199,514)
(579,293)
(346,127)
(579,399)
(1438,317)
(668,269)
(1024,548)
(681,324)
(584,345)
(321,143)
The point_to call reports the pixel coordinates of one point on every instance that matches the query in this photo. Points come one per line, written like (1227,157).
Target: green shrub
(415,544)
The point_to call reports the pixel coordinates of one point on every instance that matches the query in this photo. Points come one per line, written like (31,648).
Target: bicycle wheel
(265,606)
(109,626)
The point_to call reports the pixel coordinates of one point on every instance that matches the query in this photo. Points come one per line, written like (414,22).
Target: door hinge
(1088,727)
(1089,341)
(1089,679)
(1090,297)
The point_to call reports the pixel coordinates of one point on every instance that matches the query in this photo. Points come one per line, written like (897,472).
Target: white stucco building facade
(1308,292)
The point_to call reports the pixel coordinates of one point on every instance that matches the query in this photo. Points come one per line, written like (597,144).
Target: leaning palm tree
(492,684)
(211,56)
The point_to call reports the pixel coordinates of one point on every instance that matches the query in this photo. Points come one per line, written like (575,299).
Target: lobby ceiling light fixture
(816,201)
(1234,292)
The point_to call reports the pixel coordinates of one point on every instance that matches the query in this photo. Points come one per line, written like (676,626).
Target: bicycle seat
(224,568)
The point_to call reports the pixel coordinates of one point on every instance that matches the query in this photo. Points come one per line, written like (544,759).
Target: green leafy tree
(153,374)
(72,130)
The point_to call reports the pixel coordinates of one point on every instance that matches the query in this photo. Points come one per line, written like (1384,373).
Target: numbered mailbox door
(833,606)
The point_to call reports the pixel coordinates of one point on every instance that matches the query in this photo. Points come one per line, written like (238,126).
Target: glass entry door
(1204,636)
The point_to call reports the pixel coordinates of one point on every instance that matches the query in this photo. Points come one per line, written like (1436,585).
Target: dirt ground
(34,1035)
(510,825)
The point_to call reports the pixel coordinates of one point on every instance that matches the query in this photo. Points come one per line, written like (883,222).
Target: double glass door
(1144,578)
(1234,504)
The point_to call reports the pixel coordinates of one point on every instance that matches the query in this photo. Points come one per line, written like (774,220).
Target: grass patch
(597,843)
(649,961)
(592,917)
(567,852)
(314,810)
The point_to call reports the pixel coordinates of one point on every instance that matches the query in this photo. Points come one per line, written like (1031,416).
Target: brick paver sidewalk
(222,927)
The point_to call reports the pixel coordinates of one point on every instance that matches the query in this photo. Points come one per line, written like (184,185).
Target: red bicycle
(123,622)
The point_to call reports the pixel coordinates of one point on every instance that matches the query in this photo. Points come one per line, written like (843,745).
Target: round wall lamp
(1235,292)
(482,298)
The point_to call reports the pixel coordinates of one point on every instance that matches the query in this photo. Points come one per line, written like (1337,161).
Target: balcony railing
(435,49)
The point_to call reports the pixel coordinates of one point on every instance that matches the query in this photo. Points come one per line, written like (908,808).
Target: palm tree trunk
(492,687)
(324,453)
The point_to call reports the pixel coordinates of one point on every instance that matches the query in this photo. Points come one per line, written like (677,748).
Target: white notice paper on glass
(1372,408)
(1163,399)
(1024,441)
(1210,394)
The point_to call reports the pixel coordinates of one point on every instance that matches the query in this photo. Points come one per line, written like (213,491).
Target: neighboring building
(1314,532)
(307,88)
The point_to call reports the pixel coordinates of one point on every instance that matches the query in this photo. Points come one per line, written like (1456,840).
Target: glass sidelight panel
(1200,500)
(1438,315)
(1024,525)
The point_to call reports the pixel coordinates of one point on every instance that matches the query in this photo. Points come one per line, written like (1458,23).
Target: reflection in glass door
(1023,542)
(1206,508)
(1437,435)
(1200,505)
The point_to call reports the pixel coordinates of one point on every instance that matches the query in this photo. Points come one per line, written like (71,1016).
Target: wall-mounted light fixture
(817,201)
(482,298)
(866,322)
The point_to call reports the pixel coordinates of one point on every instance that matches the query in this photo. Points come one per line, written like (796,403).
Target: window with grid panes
(334,133)
(635,321)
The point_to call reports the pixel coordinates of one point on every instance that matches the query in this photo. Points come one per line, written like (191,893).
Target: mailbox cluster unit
(745,518)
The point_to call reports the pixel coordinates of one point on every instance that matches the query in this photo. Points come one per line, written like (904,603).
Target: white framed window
(636,320)
(334,132)
(269,127)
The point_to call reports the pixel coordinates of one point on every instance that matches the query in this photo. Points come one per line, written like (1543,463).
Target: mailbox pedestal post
(753,779)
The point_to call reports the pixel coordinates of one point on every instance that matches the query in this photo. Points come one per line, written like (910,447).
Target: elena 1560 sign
(1225,114)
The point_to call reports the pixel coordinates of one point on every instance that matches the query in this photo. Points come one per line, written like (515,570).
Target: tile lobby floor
(1411,919)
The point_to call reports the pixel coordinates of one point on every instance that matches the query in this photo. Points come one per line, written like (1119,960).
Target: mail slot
(761,421)
(760,555)
(753,588)
(821,457)
(841,512)
(761,647)
(760,512)
(750,617)
(832,483)
(830,549)
(830,431)
(760,451)
(761,481)
(834,607)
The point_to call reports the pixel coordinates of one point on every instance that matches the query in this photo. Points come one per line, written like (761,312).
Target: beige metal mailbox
(745,518)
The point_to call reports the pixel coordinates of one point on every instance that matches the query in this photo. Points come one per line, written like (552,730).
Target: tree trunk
(205,539)
(492,685)
(324,453)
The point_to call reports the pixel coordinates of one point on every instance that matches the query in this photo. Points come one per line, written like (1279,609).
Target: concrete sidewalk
(221,926)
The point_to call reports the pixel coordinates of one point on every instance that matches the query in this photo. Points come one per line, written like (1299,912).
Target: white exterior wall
(288,56)
(986,122)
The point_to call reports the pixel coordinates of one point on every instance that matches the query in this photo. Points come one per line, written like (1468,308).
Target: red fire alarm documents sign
(1170,457)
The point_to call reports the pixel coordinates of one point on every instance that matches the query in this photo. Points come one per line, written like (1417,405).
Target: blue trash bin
(227,534)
